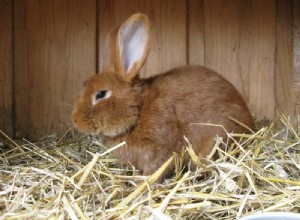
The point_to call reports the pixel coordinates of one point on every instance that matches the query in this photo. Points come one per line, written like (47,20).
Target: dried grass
(75,177)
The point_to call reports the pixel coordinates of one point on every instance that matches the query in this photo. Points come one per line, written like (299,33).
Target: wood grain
(284,60)
(195,40)
(262,62)
(222,38)
(55,52)
(296,58)
(244,48)
(168,27)
(6,68)
(240,45)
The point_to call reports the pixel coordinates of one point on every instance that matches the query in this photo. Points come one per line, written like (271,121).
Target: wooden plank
(240,45)
(222,38)
(220,28)
(262,63)
(296,58)
(22,77)
(6,68)
(284,59)
(55,52)
(195,21)
(168,24)
(245,46)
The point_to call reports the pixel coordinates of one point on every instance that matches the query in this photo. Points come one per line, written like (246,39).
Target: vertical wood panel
(6,68)
(239,43)
(222,38)
(168,27)
(262,62)
(285,99)
(195,21)
(55,51)
(296,59)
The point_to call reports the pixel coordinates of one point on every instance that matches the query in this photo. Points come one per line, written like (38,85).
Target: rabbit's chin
(110,132)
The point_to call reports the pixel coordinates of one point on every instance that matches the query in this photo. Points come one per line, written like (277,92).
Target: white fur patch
(133,39)
(113,133)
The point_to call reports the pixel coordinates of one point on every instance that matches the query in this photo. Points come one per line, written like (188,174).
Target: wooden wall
(49,47)
(55,45)
(6,68)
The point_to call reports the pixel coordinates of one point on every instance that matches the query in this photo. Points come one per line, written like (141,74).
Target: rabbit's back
(196,94)
(193,101)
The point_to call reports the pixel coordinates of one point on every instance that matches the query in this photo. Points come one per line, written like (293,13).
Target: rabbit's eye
(101,94)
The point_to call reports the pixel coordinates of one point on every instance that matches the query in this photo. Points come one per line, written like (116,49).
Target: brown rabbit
(152,115)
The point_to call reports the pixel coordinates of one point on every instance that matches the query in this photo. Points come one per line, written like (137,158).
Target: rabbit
(153,115)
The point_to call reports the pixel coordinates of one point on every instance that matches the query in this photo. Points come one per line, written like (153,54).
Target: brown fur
(153,115)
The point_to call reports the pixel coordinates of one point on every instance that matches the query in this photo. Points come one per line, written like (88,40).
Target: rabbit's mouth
(84,125)
(87,130)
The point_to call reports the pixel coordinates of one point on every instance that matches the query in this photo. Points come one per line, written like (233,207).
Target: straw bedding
(75,177)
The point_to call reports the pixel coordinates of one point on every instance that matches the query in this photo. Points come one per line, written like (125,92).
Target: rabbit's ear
(131,46)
